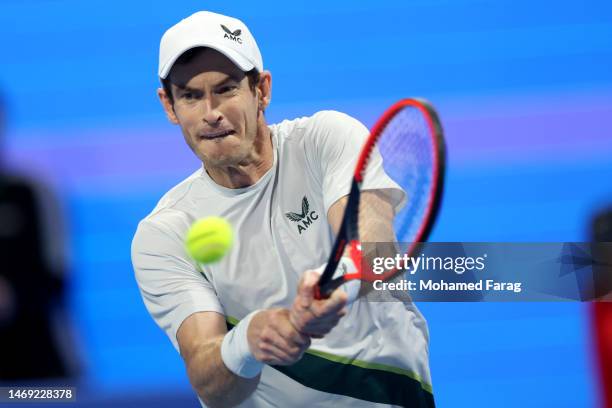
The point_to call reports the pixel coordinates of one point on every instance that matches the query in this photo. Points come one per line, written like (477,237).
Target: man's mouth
(216,134)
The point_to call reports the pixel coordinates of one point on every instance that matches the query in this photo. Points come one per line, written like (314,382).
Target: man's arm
(376,209)
(220,365)
(335,214)
(272,340)
(275,336)
(199,338)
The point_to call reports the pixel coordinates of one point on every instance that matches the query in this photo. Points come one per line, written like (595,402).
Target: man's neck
(250,170)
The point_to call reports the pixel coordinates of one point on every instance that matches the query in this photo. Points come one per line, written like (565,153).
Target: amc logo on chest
(305,219)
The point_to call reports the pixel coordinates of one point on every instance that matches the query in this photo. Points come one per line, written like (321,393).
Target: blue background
(524,92)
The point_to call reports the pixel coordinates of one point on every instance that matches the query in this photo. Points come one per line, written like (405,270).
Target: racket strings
(398,185)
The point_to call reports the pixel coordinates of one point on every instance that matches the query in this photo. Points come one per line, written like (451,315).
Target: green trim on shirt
(363,380)
(371,366)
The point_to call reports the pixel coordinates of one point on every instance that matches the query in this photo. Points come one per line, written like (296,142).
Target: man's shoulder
(169,210)
(319,129)
(318,121)
(330,116)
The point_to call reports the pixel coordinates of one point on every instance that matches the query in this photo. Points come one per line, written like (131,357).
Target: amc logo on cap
(232,35)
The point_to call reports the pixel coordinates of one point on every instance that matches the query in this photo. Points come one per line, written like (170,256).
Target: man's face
(215,108)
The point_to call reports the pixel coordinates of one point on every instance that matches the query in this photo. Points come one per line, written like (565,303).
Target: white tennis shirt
(377,355)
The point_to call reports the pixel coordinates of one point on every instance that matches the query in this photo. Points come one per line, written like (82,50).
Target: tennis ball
(209,239)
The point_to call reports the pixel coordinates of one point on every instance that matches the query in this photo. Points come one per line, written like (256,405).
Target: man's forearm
(215,384)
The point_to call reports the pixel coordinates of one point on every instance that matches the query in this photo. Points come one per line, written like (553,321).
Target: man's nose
(211,114)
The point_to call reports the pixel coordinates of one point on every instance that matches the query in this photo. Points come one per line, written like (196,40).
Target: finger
(300,339)
(273,355)
(329,320)
(321,316)
(284,350)
(306,287)
(289,339)
(322,328)
(332,306)
(339,296)
(324,324)
(293,335)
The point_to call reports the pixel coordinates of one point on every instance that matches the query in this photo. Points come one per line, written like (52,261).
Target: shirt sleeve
(171,285)
(338,140)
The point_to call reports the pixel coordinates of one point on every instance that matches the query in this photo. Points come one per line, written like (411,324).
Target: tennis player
(248,328)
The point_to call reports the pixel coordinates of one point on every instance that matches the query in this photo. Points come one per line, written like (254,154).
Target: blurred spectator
(602,311)
(33,332)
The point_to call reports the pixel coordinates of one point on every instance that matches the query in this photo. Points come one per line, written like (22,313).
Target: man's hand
(273,339)
(281,336)
(313,317)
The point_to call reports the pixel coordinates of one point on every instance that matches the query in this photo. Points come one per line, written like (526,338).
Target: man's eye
(226,88)
(188,95)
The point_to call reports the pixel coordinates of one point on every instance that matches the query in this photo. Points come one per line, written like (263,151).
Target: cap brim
(241,62)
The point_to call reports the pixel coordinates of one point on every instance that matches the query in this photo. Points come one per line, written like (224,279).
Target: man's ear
(167,105)
(265,90)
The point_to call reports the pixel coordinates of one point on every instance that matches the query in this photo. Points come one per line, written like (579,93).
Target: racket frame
(348,234)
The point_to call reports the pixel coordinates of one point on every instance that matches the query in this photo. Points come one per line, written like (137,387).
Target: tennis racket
(395,193)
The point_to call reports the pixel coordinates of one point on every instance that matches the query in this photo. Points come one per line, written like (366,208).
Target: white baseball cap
(228,35)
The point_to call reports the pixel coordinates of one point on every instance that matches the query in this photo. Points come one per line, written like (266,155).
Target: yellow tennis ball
(209,239)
